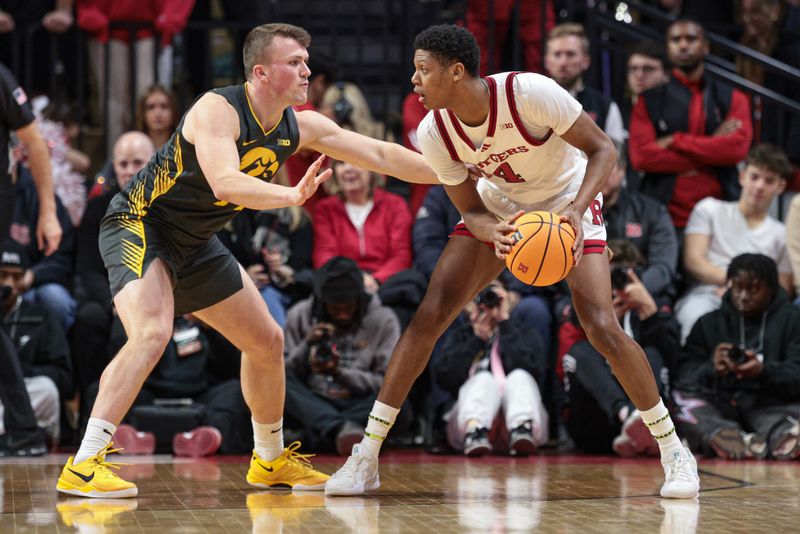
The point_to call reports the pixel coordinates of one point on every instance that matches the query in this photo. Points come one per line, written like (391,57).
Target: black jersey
(171,191)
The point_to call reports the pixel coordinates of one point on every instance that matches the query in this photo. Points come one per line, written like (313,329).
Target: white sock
(381,419)
(660,424)
(268,438)
(98,435)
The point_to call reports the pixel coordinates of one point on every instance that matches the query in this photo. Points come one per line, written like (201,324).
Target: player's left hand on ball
(572,217)
(503,235)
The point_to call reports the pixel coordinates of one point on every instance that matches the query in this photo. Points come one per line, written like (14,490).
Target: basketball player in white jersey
(536,150)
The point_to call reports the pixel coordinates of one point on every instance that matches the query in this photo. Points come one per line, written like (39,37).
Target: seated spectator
(771,28)
(645,223)
(718,231)
(493,362)
(215,416)
(793,242)
(338,344)
(599,415)
(688,135)
(364,223)
(47,280)
(157,115)
(739,373)
(41,364)
(566,59)
(92,329)
(275,248)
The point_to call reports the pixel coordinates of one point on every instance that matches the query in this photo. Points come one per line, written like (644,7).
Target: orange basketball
(542,254)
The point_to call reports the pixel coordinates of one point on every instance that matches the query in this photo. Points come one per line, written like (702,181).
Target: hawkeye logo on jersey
(259,162)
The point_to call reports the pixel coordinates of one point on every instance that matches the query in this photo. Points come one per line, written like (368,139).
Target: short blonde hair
(570,29)
(260,37)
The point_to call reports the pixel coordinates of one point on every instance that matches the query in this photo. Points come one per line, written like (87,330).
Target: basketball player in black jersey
(158,244)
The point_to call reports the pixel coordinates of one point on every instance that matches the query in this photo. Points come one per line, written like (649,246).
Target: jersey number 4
(505,172)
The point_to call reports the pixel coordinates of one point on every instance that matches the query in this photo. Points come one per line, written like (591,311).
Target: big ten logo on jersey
(258,162)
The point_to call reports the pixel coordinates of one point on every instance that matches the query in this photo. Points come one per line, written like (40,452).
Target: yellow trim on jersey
(133,254)
(253,113)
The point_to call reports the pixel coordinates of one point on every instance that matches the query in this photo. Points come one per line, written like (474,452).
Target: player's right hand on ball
(503,235)
(308,185)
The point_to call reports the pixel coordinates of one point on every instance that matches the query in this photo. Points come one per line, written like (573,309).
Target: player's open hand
(572,217)
(48,232)
(308,185)
(503,235)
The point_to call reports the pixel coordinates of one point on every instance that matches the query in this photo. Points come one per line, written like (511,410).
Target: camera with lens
(619,278)
(737,355)
(325,347)
(488,297)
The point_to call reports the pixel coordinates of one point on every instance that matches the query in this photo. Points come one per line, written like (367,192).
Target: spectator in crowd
(91,332)
(275,246)
(718,231)
(346,104)
(17,19)
(157,115)
(599,416)
(719,16)
(47,281)
(58,123)
(688,134)
(95,18)
(773,30)
(186,375)
(739,373)
(493,362)
(793,242)
(567,59)
(338,344)
(645,223)
(365,223)
(531,27)
(646,68)
(38,355)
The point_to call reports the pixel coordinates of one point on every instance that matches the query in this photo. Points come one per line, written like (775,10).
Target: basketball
(542,254)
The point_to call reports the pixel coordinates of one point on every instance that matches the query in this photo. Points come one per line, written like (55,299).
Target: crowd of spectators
(704,274)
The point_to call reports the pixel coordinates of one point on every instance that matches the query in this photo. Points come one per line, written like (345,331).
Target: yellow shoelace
(102,463)
(301,459)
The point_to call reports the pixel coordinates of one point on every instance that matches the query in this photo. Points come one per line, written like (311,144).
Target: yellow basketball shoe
(290,470)
(94,478)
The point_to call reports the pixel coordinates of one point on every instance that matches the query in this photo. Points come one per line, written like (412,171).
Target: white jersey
(526,167)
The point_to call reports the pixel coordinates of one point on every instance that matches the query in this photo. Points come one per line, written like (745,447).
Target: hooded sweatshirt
(775,333)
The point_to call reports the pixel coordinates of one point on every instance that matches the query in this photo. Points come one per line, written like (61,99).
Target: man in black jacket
(599,416)
(489,362)
(738,382)
(39,362)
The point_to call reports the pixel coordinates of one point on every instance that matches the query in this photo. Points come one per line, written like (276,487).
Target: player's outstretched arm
(323,135)
(213,127)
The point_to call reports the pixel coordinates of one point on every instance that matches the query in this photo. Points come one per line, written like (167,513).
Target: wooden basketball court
(419,493)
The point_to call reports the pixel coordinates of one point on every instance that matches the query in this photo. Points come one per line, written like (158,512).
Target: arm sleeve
(436,155)
(15,108)
(645,154)
(542,101)
(724,150)
(400,239)
(662,253)
(326,246)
